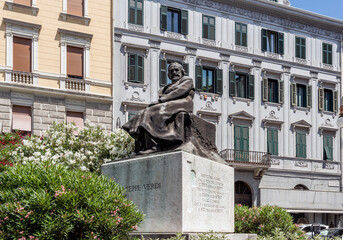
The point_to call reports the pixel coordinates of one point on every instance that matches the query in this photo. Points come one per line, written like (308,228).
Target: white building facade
(266,74)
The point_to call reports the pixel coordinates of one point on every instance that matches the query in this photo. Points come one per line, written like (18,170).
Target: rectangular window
(272,42)
(209,79)
(241,34)
(300,47)
(327,53)
(135,68)
(75,62)
(241,144)
(301,145)
(75,7)
(23,2)
(301,95)
(272,141)
(327,147)
(22,54)
(76,118)
(328,100)
(241,85)
(273,91)
(136,12)
(208,27)
(21,118)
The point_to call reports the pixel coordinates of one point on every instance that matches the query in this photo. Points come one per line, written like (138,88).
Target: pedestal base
(178,192)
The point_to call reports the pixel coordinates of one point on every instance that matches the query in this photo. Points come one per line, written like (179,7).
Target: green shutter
(232,90)
(186,68)
(280,43)
(276,142)
(198,74)
(245,137)
(309,96)
(303,141)
(327,147)
(140,69)
(303,48)
(269,141)
(281,90)
(264,40)
(293,94)
(297,47)
(272,141)
(219,81)
(184,22)
(237,136)
(330,54)
(251,93)
(301,145)
(321,99)
(297,142)
(324,53)
(238,35)
(164,17)
(335,101)
(265,90)
(163,72)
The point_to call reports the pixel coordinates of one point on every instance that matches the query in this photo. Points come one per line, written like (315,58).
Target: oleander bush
(266,221)
(8,143)
(85,149)
(43,200)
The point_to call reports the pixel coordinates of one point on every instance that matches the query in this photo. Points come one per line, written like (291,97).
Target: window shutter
(245,134)
(275,142)
(163,72)
(232,90)
(280,43)
(23,2)
(237,136)
(269,141)
(140,68)
(76,118)
(303,141)
(298,144)
(293,94)
(264,40)
(265,90)
(75,7)
(297,47)
(309,96)
(198,74)
(303,42)
(335,101)
(22,54)
(330,54)
(219,81)
(74,62)
(321,99)
(184,22)
(186,68)
(251,86)
(324,53)
(164,13)
(21,118)
(281,90)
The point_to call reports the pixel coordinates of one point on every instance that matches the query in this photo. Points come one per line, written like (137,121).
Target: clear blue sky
(331,8)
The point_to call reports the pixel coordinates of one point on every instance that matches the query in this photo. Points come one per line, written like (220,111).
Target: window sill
(74,18)
(133,84)
(272,55)
(278,105)
(241,48)
(239,99)
(301,61)
(14,6)
(332,113)
(304,109)
(135,27)
(327,66)
(209,42)
(206,95)
(175,35)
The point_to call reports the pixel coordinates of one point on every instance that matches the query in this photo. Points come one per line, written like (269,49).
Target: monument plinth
(178,191)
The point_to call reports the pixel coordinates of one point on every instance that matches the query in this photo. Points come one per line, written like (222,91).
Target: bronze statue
(168,124)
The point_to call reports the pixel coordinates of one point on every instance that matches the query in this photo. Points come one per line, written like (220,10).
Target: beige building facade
(55,64)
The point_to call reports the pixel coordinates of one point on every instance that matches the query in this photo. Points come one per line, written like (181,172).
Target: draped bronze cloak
(160,120)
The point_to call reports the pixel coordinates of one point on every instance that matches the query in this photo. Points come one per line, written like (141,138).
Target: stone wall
(5,111)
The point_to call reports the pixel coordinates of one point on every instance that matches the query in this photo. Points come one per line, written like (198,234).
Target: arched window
(300,187)
(243,194)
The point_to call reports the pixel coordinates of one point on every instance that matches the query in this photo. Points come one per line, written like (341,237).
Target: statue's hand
(153,103)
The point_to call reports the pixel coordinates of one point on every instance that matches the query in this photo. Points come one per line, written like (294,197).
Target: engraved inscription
(143,187)
(209,195)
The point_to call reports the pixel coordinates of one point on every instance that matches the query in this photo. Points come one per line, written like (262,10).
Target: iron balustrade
(249,157)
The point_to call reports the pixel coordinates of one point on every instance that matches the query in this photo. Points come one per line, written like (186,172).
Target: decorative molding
(327,126)
(271,119)
(262,17)
(301,124)
(209,107)
(136,28)
(11,6)
(155,44)
(273,55)
(208,42)
(328,166)
(327,66)
(257,63)
(135,97)
(286,69)
(117,37)
(314,75)
(225,57)
(301,164)
(191,51)
(242,115)
(241,48)
(212,96)
(239,99)
(142,85)
(301,61)
(174,35)
(66,17)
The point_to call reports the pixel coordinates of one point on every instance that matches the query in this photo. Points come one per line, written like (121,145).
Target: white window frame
(24,30)
(75,39)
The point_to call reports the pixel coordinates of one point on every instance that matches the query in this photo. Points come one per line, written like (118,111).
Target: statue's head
(175,71)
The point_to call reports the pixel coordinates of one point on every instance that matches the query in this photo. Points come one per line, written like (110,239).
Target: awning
(314,211)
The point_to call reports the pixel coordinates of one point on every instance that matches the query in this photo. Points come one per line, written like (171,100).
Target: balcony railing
(248,157)
(22,77)
(75,84)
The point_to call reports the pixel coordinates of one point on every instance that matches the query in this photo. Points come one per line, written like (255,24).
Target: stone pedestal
(178,192)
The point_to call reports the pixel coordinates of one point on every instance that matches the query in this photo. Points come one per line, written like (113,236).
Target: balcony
(75,84)
(259,162)
(22,77)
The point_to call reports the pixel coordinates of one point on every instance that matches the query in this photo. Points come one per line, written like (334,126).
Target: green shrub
(8,143)
(265,221)
(86,148)
(48,201)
